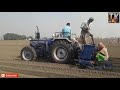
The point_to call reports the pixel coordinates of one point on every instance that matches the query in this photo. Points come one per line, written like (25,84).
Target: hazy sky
(24,23)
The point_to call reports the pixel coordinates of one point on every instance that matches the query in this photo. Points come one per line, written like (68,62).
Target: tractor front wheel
(28,53)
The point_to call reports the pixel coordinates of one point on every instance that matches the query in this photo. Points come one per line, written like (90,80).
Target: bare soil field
(10,62)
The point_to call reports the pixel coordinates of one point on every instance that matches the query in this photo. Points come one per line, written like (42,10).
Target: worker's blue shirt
(66,31)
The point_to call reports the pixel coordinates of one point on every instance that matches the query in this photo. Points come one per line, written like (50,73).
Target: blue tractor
(60,49)
(57,48)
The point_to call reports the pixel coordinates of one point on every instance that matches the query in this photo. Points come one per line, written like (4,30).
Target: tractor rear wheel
(61,52)
(28,53)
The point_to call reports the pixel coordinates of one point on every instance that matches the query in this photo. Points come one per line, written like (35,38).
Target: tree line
(13,36)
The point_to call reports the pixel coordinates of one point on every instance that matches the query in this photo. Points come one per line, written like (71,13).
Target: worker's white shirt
(85,25)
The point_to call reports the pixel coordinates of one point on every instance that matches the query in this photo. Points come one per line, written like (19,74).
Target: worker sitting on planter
(99,60)
(102,57)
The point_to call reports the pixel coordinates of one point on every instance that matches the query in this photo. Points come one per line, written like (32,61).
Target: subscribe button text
(9,75)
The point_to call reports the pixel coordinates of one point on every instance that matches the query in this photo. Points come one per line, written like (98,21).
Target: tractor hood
(39,42)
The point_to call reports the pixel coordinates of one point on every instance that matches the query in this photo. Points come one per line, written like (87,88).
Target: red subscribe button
(10,75)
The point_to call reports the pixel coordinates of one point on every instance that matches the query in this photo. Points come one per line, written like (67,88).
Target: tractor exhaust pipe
(38,33)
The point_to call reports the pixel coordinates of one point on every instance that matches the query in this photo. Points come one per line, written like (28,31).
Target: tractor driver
(66,31)
(85,30)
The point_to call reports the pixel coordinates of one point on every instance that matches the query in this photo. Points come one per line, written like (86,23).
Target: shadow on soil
(47,60)
(71,65)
